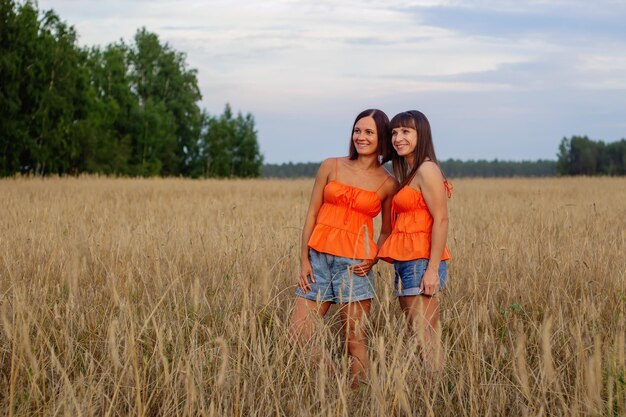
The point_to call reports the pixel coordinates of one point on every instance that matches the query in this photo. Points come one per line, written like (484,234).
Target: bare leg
(304,321)
(353,316)
(305,314)
(422,314)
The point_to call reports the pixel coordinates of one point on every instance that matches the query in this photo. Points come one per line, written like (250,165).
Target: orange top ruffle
(344,225)
(412,228)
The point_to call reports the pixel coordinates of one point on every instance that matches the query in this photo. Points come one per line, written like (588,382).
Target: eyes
(404,132)
(368,132)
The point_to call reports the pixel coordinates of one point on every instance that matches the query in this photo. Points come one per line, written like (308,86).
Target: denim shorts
(409,276)
(334,280)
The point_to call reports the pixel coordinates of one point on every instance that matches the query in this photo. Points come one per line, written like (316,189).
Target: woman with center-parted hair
(417,244)
(338,250)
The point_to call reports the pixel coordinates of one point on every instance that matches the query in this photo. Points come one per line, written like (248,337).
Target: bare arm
(430,181)
(385,227)
(317,198)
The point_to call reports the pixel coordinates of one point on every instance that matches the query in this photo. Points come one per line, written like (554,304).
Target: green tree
(231,146)
(580,155)
(563,163)
(110,128)
(219,144)
(247,159)
(43,91)
(57,102)
(170,119)
(584,156)
(13,37)
(616,158)
(125,109)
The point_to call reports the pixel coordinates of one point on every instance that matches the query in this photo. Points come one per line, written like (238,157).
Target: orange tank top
(344,224)
(412,228)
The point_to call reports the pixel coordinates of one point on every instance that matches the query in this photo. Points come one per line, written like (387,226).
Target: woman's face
(365,136)
(404,140)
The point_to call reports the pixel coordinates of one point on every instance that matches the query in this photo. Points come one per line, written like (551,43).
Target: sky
(496,78)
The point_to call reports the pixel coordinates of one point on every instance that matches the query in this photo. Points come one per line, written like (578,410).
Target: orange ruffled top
(344,225)
(412,228)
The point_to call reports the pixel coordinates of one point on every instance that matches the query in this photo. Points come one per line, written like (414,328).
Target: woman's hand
(306,271)
(364,267)
(430,282)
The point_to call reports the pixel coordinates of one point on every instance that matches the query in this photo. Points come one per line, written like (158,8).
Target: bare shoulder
(344,161)
(391,184)
(327,167)
(328,162)
(429,171)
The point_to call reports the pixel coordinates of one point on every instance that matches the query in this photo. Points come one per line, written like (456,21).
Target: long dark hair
(424,149)
(382,129)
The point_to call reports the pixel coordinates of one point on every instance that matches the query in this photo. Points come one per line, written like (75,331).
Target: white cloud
(285,58)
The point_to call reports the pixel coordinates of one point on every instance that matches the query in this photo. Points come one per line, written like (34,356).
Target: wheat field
(171,297)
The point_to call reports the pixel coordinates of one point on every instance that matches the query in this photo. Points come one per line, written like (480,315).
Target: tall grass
(172,297)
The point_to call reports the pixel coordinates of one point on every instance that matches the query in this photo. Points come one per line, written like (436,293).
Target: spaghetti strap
(408,183)
(336,169)
(381,185)
(448,186)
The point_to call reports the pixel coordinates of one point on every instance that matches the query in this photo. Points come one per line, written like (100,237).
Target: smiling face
(365,136)
(404,140)
(412,141)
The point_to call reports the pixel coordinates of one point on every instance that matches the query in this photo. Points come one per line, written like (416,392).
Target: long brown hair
(382,128)
(423,150)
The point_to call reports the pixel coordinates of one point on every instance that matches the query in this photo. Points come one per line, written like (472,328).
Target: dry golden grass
(172,297)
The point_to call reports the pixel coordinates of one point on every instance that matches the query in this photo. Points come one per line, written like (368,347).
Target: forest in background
(454,168)
(580,155)
(577,155)
(129,109)
(132,109)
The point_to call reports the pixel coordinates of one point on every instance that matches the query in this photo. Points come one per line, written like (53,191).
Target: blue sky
(497,79)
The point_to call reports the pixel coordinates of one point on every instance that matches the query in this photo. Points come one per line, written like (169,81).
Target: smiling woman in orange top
(338,248)
(417,244)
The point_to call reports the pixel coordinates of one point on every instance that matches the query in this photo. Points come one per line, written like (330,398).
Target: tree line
(580,155)
(133,109)
(577,155)
(454,168)
(124,109)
